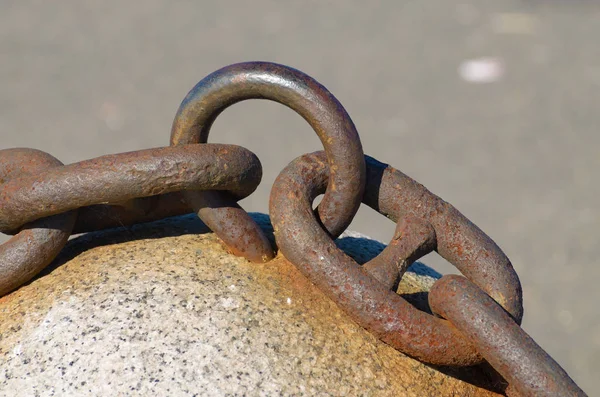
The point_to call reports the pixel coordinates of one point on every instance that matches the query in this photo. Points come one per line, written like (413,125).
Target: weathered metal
(37,243)
(301,93)
(43,202)
(529,370)
(39,196)
(122,177)
(369,302)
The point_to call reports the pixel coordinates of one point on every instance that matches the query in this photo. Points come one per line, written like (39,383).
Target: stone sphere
(163,309)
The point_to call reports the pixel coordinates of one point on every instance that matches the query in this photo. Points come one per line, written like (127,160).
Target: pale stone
(164,310)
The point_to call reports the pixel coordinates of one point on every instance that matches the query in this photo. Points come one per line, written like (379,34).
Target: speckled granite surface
(519,156)
(162,310)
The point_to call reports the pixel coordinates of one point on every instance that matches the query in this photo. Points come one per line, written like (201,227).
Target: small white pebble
(289,301)
(481,70)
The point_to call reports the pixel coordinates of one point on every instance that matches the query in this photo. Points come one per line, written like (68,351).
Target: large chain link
(310,100)
(43,202)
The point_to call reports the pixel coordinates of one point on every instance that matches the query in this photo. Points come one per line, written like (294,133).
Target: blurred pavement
(493,105)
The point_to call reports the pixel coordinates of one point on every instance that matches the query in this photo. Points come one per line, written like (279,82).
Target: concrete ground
(493,105)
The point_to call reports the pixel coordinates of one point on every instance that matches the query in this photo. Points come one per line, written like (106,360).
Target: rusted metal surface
(115,179)
(301,93)
(138,210)
(413,238)
(43,202)
(529,370)
(38,242)
(396,195)
(39,196)
(370,302)
(119,179)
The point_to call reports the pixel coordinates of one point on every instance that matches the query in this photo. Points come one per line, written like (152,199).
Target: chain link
(43,202)
(312,101)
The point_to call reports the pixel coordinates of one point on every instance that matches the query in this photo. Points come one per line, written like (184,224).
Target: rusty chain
(310,100)
(478,316)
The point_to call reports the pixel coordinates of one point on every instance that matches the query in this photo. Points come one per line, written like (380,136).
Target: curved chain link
(38,242)
(43,202)
(368,301)
(36,186)
(301,93)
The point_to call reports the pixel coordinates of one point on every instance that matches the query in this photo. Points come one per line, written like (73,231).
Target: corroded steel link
(413,239)
(458,240)
(138,210)
(476,317)
(38,242)
(122,177)
(240,233)
(301,93)
(370,303)
(529,370)
(37,188)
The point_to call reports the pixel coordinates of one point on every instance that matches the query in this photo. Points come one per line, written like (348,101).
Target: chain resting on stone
(43,202)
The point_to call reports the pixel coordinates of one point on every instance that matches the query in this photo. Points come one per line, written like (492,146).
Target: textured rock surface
(519,156)
(165,310)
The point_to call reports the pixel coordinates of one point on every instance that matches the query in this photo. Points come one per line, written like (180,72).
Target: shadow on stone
(168,227)
(482,376)
(359,247)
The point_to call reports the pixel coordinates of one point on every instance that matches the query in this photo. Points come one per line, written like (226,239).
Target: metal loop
(396,196)
(301,93)
(43,202)
(529,370)
(413,239)
(37,243)
(369,302)
(121,177)
(35,185)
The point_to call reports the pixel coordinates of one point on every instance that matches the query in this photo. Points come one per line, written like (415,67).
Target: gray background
(519,156)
